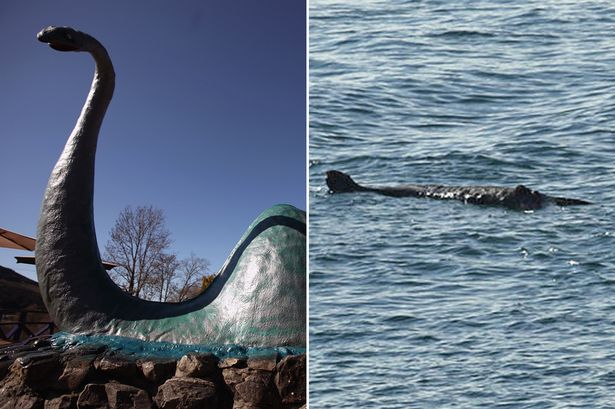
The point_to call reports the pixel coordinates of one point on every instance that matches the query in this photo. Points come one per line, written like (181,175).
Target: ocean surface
(418,303)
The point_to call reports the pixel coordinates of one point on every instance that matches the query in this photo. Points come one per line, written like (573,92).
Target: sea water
(438,304)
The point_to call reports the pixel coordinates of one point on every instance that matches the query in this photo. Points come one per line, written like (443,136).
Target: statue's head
(64,38)
(340,182)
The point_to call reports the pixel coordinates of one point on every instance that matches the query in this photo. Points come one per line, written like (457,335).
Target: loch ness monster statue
(258,298)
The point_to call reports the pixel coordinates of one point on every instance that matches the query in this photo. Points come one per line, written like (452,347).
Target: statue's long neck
(75,168)
(70,274)
(66,244)
(80,149)
(85,133)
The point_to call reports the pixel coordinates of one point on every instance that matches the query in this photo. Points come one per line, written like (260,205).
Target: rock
(93,396)
(122,396)
(62,402)
(76,372)
(15,350)
(233,363)
(290,379)
(264,364)
(117,368)
(4,367)
(79,378)
(37,356)
(113,395)
(42,343)
(25,401)
(187,393)
(38,371)
(197,366)
(233,376)
(239,404)
(256,389)
(251,388)
(158,371)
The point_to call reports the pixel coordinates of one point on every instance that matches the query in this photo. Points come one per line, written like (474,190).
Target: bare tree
(138,243)
(191,272)
(161,284)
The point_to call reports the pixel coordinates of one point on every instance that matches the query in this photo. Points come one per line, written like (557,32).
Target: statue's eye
(70,37)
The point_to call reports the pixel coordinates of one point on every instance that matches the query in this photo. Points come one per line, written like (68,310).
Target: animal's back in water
(517,198)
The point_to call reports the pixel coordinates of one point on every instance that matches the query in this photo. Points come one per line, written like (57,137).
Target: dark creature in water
(518,198)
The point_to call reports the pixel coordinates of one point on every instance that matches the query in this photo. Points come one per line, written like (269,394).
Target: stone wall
(40,376)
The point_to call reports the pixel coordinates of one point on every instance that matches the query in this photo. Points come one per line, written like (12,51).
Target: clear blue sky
(207,123)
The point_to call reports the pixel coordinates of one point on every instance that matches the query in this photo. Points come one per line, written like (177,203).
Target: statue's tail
(339,182)
(564,201)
